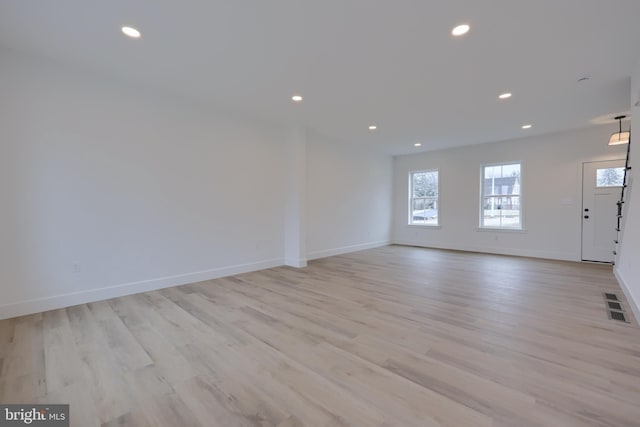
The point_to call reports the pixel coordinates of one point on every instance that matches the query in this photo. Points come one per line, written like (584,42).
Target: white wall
(107,190)
(628,263)
(551,186)
(348,198)
(295,250)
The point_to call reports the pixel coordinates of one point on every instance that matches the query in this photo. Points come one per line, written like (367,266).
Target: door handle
(586,217)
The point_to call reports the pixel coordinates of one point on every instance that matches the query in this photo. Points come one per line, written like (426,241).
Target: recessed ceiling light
(373,127)
(527,126)
(296,98)
(417,144)
(505,96)
(460,30)
(131,32)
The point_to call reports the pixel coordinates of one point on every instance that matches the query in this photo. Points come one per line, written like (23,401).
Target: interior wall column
(296,206)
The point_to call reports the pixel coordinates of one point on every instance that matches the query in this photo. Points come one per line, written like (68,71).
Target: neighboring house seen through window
(423,198)
(501,196)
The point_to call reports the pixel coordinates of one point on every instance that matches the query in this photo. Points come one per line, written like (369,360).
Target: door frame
(581,211)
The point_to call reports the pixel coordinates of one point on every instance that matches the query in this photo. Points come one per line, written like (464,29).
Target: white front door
(601,186)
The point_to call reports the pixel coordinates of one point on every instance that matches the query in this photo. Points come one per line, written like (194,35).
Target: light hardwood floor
(395,336)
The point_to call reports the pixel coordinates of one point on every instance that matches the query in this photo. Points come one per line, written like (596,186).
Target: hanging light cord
(620,121)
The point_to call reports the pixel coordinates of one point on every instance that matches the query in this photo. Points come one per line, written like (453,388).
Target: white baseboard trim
(561,256)
(38,305)
(627,292)
(346,249)
(297,263)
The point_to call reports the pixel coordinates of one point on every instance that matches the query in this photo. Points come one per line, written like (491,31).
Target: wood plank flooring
(394,336)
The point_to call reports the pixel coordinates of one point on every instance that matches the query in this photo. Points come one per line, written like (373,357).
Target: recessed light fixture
(373,127)
(460,30)
(505,95)
(527,126)
(417,144)
(131,32)
(296,98)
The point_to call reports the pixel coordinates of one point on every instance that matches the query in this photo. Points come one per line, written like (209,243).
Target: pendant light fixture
(620,137)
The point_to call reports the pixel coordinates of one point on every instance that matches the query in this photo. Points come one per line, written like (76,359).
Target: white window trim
(410,208)
(429,226)
(481,197)
(502,230)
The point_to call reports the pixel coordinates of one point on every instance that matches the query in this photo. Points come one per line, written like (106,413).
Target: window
(423,198)
(609,177)
(501,196)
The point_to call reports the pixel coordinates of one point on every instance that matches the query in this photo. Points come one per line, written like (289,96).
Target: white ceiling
(358,62)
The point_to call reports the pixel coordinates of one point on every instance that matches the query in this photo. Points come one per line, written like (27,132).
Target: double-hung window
(423,198)
(501,200)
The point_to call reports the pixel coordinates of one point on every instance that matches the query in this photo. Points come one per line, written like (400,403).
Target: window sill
(437,227)
(502,230)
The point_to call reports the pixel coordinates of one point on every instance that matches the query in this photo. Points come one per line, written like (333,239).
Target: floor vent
(614,307)
(618,315)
